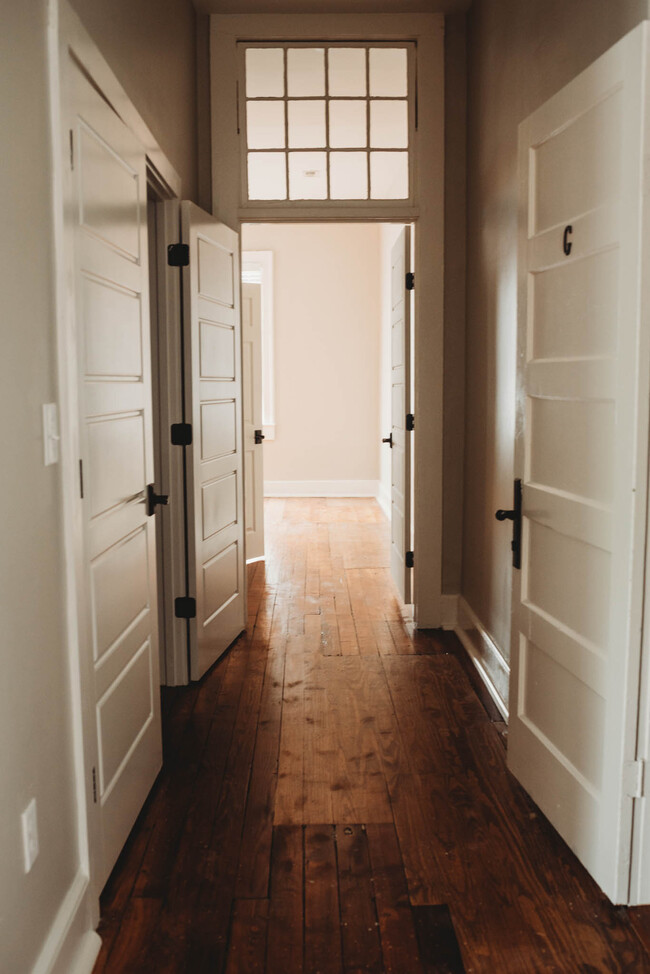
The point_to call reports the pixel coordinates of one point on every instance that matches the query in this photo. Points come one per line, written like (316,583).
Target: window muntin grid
(327,122)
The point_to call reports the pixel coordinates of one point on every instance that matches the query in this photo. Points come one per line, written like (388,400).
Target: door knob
(259,436)
(153,499)
(514,515)
(388,439)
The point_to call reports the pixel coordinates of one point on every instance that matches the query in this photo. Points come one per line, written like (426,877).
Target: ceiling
(329,6)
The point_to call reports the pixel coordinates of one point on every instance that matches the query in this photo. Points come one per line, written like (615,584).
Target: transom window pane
(307,124)
(307,176)
(265,125)
(264,72)
(348,124)
(347,71)
(388,72)
(328,121)
(305,71)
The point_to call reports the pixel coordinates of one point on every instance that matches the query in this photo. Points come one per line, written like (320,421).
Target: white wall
(389,234)
(327,320)
(35,716)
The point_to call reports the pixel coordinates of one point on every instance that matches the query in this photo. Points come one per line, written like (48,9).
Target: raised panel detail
(116,469)
(582,294)
(119,589)
(218,429)
(216,277)
(219,501)
(564,709)
(111,318)
(576,592)
(571,446)
(109,195)
(592,143)
(217,351)
(125,708)
(220,581)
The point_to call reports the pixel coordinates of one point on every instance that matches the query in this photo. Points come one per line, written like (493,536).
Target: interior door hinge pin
(95,785)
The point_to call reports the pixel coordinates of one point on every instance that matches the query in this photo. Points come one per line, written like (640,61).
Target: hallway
(335,797)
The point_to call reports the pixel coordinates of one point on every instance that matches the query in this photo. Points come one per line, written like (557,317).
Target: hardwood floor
(335,798)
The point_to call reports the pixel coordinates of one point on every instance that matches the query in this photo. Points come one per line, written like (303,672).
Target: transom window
(327,121)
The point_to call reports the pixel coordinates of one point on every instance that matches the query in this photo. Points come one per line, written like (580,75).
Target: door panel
(118,573)
(400,405)
(253,452)
(581,450)
(212,337)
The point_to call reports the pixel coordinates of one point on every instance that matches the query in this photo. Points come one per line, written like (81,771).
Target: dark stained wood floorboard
(335,797)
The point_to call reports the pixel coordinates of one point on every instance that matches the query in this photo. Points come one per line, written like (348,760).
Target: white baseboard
(321,488)
(383,498)
(71,946)
(449,611)
(488,659)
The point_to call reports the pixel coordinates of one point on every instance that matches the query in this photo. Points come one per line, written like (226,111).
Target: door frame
(68,38)
(427,216)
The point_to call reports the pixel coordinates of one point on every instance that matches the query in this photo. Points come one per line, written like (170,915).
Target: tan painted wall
(327,347)
(35,720)
(151,46)
(519,54)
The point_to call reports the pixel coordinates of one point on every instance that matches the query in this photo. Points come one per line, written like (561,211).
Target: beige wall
(327,350)
(35,718)
(519,54)
(151,46)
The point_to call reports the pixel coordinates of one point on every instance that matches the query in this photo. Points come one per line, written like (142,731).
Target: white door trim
(68,37)
(427,215)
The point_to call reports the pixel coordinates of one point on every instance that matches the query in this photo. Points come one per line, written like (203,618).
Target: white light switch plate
(50,433)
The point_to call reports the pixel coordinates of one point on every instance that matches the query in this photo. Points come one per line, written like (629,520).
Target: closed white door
(400,501)
(213,387)
(253,436)
(581,452)
(108,214)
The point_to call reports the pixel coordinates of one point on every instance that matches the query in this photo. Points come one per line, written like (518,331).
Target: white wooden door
(253,435)
(581,451)
(108,195)
(212,336)
(400,501)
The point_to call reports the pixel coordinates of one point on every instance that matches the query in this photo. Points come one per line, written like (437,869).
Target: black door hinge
(178,255)
(81,479)
(185,607)
(410,281)
(410,422)
(409,559)
(181,434)
(94,786)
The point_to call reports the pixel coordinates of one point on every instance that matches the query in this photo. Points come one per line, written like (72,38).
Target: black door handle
(259,436)
(153,499)
(515,516)
(388,439)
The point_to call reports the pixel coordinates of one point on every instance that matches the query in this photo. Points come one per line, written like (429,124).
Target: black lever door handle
(153,499)
(388,439)
(515,516)
(259,436)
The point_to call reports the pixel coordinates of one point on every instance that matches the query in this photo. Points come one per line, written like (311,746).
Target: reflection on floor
(335,797)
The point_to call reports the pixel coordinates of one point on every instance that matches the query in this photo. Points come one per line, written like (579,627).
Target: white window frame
(364,204)
(426,213)
(261,261)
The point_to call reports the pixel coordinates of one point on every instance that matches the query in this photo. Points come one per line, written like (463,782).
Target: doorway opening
(327,338)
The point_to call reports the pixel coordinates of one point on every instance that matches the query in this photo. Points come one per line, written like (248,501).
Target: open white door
(107,216)
(401,422)
(581,453)
(253,435)
(214,468)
